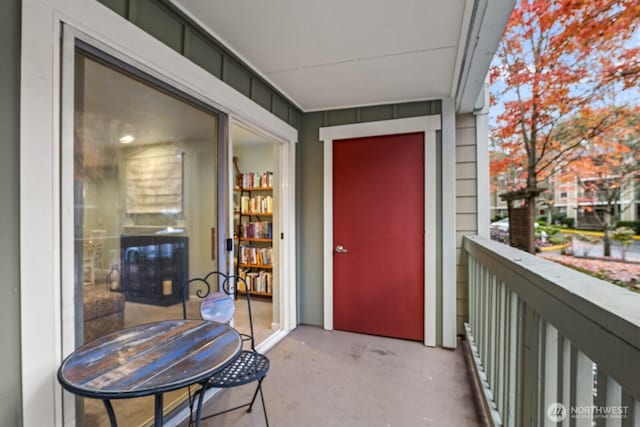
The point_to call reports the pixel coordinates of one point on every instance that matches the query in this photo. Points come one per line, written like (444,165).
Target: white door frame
(45,209)
(428,125)
(283,219)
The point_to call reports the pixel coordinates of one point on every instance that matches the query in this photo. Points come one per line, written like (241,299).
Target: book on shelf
(255,256)
(256,205)
(256,281)
(256,230)
(257,180)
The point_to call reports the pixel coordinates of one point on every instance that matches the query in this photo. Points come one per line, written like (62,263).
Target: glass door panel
(145,171)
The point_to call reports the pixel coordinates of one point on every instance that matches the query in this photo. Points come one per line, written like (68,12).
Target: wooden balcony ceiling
(329,378)
(333,53)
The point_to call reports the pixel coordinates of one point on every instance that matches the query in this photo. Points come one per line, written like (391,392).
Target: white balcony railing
(551,346)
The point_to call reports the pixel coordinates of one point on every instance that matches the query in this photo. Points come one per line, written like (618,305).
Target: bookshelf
(253,213)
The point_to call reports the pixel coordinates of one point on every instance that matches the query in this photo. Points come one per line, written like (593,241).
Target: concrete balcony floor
(324,378)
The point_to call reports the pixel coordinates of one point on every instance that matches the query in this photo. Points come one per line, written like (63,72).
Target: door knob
(341,249)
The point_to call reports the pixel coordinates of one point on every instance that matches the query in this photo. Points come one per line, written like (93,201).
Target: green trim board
(171,26)
(157,20)
(309,220)
(200,50)
(346,116)
(121,7)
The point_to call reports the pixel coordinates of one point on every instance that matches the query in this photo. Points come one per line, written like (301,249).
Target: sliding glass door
(145,192)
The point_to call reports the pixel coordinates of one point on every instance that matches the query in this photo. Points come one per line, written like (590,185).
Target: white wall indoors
(254,158)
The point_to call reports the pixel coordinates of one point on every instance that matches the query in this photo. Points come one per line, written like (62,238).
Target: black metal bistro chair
(250,366)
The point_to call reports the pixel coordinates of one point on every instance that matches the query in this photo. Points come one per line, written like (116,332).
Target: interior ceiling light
(127,139)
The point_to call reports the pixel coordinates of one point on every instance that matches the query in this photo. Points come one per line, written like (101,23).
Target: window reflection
(145,205)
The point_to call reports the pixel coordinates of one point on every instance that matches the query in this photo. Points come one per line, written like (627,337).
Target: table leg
(110,413)
(158,411)
(199,410)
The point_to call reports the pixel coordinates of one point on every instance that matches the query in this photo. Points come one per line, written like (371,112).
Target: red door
(378,218)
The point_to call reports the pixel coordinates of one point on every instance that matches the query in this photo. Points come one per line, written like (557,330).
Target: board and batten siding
(10,396)
(172,27)
(466,206)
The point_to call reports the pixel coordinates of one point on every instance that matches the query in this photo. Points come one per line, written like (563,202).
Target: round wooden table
(149,359)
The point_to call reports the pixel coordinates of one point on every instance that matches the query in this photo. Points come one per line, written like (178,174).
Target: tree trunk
(607,240)
(532,183)
(531,213)
(607,232)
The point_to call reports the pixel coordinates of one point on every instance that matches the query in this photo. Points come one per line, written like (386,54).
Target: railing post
(529,366)
(472,293)
(613,400)
(550,372)
(482,345)
(502,340)
(512,363)
(632,408)
(495,349)
(584,387)
(568,377)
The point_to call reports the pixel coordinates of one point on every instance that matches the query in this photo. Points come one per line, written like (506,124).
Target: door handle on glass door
(341,249)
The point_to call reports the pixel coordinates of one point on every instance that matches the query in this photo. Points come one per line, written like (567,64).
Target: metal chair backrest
(218,307)
(217,301)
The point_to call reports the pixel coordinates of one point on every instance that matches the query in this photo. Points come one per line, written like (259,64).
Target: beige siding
(466,187)
(466,222)
(465,136)
(466,153)
(461,259)
(466,205)
(465,170)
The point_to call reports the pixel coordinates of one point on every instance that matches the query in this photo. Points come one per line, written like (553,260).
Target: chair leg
(255,394)
(264,408)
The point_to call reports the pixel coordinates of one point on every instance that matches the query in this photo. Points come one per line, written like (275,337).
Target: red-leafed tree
(559,60)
